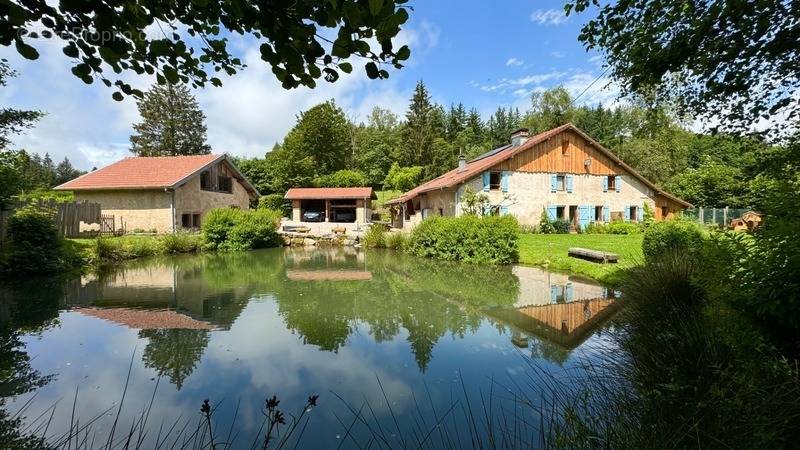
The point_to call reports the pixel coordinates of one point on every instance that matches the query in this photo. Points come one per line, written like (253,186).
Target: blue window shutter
(486,178)
(605,184)
(553,294)
(503,210)
(569,183)
(487,210)
(618,183)
(504,181)
(627,211)
(553,183)
(583,216)
(551,212)
(606,213)
(640,213)
(568,292)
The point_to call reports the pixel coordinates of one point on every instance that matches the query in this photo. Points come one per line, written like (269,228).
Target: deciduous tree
(191,42)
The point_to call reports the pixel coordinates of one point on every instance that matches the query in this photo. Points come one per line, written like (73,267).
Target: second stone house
(562,172)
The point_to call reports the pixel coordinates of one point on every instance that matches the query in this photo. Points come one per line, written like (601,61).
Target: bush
(620,227)
(672,236)
(34,243)
(402,178)
(275,202)
(217,224)
(179,243)
(560,226)
(545,225)
(254,229)
(342,178)
(396,240)
(485,240)
(375,237)
(596,228)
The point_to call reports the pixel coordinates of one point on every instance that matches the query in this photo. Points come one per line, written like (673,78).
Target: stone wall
(137,208)
(189,198)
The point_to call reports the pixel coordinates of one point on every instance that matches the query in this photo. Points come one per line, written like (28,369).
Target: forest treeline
(391,152)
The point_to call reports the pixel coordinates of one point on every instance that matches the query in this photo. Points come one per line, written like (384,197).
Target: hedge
(485,240)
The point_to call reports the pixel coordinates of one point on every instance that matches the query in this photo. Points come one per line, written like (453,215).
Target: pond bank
(550,251)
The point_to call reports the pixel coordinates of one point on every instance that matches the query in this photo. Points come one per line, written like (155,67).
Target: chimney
(519,137)
(462,161)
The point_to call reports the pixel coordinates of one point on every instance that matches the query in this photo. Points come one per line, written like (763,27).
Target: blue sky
(481,53)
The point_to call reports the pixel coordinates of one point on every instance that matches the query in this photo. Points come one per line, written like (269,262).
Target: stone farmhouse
(562,172)
(164,194)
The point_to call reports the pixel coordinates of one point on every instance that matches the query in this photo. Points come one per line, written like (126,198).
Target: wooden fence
(66,216)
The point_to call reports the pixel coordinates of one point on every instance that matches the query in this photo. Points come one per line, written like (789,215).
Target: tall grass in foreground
(686,371)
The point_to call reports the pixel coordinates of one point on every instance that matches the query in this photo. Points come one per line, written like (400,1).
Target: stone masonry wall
(140,208)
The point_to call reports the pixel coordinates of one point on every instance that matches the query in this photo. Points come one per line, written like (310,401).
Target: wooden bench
(592,255)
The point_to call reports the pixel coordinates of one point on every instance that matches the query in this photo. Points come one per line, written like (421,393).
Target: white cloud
(505,85)
(557,54)
(549,17)
(514,62)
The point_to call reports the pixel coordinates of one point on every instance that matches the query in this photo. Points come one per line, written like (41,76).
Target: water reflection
(294,321)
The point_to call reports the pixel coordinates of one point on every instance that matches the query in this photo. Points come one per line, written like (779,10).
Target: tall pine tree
(172,124)
(419,131)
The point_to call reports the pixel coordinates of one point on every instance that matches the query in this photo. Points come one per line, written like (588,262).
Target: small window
(560,212)
(494,181)
(205,180)
(612,183)
(190,220)
(634,213)
(441,211)
(561,183)
(665,212)
(598,213)
(225,184)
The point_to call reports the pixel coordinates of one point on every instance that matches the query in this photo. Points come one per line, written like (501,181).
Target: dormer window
(205,181)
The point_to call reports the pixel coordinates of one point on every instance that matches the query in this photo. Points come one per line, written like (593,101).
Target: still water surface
(374,329)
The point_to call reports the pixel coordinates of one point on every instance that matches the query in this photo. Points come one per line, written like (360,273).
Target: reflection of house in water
(146,319)
(158,297)
(556,307)
(334,264)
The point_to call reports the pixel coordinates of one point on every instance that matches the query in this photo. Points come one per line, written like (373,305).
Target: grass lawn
(385,196)
(550,251)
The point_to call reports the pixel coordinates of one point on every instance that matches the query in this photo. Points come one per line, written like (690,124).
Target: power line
(590,85)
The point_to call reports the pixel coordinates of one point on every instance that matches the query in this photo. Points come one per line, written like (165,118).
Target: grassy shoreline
(550,251)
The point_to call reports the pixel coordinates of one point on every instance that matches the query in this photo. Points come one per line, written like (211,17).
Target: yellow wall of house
(151,209)
(143,209)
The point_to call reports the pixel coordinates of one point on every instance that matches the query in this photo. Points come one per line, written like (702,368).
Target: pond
(393,345)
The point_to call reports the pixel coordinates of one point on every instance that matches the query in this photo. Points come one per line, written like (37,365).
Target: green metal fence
(711,216)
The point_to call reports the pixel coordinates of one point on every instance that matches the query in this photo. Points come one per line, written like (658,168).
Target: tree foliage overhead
(732,60)
(172,124)
(191,42)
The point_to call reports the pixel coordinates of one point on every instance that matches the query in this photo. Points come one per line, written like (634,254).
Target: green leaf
(404,53)
(346,67)
(171,74)
(117,96)
(372,70)
(375,6)
(26,51)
